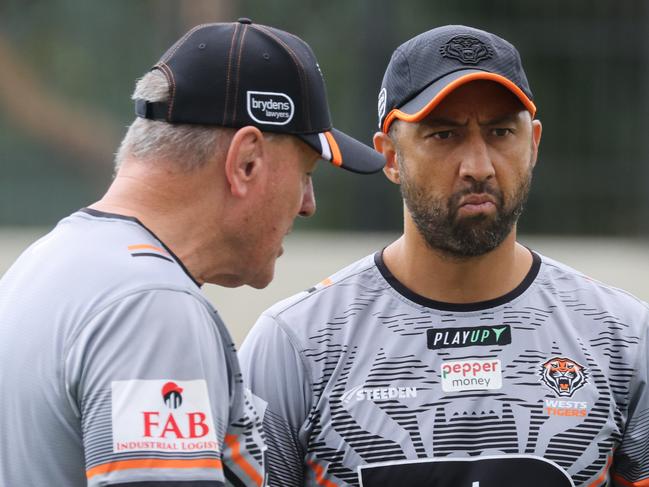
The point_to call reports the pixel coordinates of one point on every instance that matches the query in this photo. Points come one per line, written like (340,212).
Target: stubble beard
(438,223)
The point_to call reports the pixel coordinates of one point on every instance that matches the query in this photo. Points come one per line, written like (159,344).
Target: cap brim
(425,102)
(345,151)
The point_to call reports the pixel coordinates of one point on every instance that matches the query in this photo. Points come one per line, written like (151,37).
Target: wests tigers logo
(563,375)
(466,49)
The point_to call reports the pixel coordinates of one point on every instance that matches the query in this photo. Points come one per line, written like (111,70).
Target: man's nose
(308,200)
(476,161)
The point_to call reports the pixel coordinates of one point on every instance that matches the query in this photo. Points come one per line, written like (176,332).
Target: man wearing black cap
(115,370)
(455,356)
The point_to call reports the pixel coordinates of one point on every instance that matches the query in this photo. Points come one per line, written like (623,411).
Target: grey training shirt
(115,370)
(367,383)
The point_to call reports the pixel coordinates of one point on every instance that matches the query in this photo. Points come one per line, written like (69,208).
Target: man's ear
(385,145)
(245,160)
(537,129)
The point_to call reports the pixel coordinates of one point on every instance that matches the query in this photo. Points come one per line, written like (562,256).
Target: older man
(115,370)
(455,357)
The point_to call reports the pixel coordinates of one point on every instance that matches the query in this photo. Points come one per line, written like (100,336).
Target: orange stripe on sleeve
(231,441)
(154,463)
(319,474)
(602,478)
(146,246)
(622,481)
(336,156)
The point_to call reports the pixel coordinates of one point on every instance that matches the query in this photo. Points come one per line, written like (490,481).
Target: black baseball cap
(425,69)
(238,74)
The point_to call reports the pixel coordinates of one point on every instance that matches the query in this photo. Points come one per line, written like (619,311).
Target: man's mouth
(477,203)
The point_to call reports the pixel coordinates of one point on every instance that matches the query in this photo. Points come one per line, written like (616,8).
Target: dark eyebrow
(442,122)
(447,122)
(509,118)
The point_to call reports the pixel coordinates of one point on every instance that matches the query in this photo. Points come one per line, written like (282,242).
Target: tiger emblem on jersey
(563,375)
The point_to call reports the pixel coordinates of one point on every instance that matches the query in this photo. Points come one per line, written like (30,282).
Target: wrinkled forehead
(479,98)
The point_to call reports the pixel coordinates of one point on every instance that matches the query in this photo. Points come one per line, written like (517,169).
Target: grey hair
(184,146)
(393,133)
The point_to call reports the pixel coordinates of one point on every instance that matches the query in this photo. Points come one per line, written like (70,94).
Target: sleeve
(631,459)
(277,377)
(152,382)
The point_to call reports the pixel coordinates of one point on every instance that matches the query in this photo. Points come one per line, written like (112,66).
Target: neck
(438,276)
(171,207)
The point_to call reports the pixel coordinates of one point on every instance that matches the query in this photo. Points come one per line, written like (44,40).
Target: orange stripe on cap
(146,246)
(231,441)
(319,474)
(154,463)
(336,156)
(453,85)
(638,483)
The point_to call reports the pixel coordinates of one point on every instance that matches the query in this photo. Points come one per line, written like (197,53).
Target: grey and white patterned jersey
(367,383)
(115,370)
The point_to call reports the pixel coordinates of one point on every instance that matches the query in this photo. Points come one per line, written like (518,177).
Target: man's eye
(443,134)
(501,132)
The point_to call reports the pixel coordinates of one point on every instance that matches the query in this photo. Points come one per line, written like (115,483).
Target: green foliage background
(587,62)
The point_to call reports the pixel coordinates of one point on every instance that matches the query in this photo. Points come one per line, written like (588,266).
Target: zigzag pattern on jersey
(638,448)
(343,424)
(473,433)
(402,369)
(366,445)
(562,449)
(404,325)
(474,422)
(284,455)
(250,427)
(330,353)
(524,370)
(615,381)
(528,318)
(329,356)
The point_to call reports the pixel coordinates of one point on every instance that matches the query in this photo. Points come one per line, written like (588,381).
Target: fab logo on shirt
(162,415)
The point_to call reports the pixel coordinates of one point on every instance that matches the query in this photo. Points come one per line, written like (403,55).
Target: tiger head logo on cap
(467,49)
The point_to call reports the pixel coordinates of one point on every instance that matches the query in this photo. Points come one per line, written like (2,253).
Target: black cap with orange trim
(428,67)
(240,73)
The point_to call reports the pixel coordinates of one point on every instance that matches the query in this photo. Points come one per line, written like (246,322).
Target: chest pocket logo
(563,375)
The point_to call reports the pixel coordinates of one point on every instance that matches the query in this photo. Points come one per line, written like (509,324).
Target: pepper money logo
(172,395)
(469,337)
(270,108)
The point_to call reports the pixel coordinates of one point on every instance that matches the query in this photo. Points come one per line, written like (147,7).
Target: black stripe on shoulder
(172,483)
(232,478)
(103,214)
(151,254)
